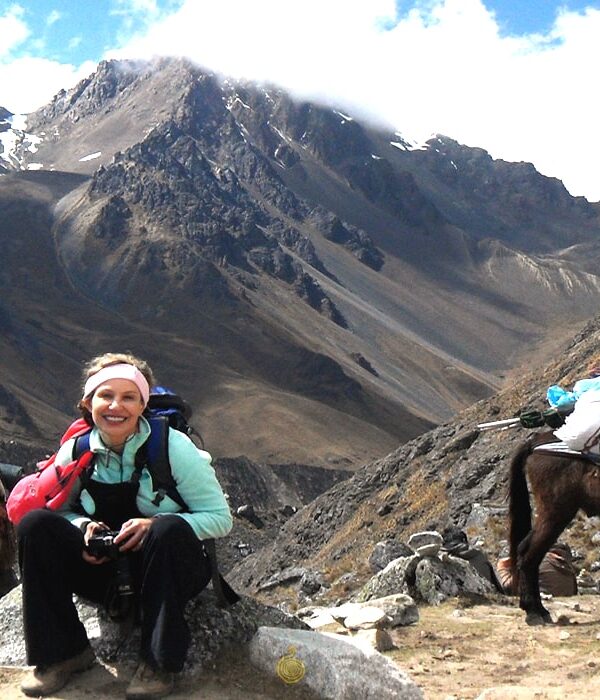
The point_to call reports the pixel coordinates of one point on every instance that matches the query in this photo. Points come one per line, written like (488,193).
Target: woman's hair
(113,358)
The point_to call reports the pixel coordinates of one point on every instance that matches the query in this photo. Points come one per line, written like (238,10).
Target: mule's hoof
(534,619)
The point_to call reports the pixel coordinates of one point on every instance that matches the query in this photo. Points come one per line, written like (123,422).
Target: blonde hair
(106,360)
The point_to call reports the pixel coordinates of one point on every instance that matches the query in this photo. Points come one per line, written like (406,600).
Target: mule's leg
(531,552)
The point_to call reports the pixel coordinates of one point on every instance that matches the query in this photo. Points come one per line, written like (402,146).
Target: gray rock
(212,630)
(248,512)
(436,581)
(386,551)
(428,580)
(427,544)
(289,575)
(367,617)
(380,640)
(311,582)
(400,609)
(481,514)
(330,666)
(395,578)
(12,644)
(586,583)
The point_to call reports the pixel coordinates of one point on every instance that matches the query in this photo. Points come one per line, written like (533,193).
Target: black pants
(170,569)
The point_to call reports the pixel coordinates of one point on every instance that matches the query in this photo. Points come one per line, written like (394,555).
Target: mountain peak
(258,234)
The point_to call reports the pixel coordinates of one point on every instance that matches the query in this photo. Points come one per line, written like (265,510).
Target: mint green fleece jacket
(208,515)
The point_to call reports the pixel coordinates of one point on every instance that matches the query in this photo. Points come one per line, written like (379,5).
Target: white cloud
(135,7)
(17,79)
(53,17)
(13,30)
(441,67)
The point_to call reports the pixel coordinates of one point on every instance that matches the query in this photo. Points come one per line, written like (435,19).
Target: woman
(162,545)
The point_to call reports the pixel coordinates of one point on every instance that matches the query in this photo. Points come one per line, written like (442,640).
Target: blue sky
(516,77)
(75,31)
(527,16)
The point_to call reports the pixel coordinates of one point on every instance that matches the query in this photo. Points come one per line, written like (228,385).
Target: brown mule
(560,486)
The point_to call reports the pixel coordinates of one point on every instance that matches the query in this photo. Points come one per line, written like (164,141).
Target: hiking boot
(149,683)
(46,680)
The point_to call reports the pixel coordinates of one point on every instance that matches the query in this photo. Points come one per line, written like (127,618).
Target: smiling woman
(155,543)
(115,396)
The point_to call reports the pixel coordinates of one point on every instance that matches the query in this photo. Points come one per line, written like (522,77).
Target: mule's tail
(519,507)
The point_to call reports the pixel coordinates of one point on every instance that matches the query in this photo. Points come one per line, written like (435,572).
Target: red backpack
(49,486)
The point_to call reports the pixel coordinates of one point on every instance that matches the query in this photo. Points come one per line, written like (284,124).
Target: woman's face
(116,407)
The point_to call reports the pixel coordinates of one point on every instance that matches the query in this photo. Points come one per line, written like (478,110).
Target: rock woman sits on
(162,545)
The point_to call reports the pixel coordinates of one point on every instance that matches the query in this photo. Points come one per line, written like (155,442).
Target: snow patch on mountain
(345,117)
(404,143)
(15,142)
(91,156)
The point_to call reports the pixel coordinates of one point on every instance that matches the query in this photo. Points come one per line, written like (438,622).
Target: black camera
(103,545)
(119,597)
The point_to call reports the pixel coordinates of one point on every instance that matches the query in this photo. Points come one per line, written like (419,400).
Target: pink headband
(121,371)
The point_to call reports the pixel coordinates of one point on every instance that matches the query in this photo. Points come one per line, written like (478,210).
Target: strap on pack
(223,591)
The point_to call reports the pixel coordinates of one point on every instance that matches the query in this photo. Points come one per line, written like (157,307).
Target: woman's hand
(92,529)
(132,534)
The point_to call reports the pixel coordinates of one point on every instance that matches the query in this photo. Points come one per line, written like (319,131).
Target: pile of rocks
(368,622)
(423,571)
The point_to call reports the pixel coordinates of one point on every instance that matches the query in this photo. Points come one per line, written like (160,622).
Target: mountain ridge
(291,236)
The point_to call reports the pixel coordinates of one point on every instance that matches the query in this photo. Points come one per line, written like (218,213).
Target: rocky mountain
(322,289)
(455,474)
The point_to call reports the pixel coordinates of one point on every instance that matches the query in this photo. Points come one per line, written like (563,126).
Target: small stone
(428,550)
(366,617)
(563,635)
(341,612)
(425,539)
(380,640)
(320,620)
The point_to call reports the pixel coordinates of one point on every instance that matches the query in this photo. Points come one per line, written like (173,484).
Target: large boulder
(386,551)
(427,580)
(212,630)
(330,666)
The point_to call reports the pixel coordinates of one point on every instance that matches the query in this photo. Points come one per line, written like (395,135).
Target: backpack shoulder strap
(154,455)
(223,591)
(81,445)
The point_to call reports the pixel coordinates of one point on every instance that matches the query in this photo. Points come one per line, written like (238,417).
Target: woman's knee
(38,520)
(170,527)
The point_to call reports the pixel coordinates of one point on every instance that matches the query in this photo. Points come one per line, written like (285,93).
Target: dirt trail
(454,652)
(460,652)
